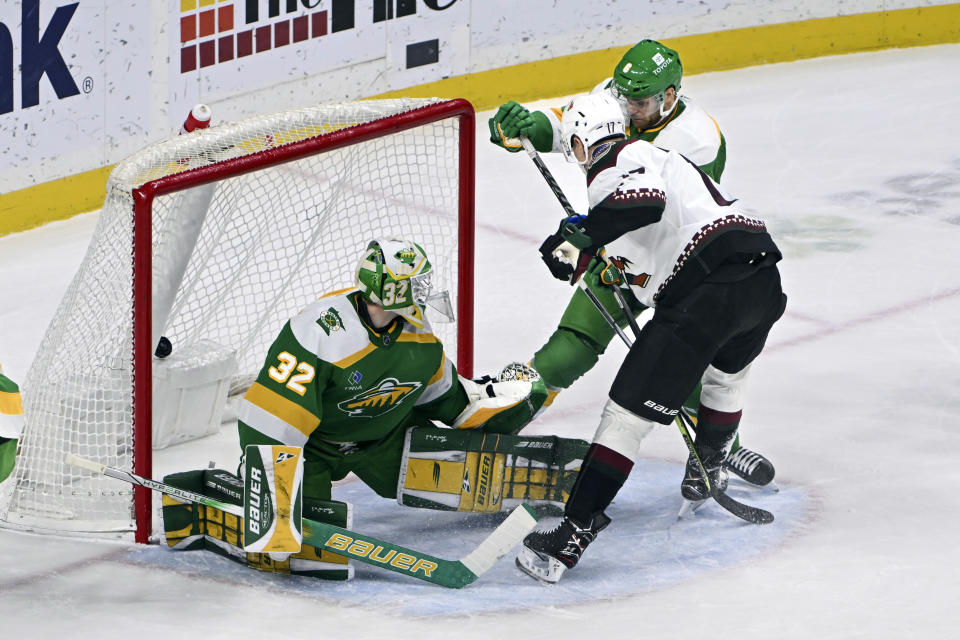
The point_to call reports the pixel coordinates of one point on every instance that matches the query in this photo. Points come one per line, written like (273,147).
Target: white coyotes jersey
(695,210)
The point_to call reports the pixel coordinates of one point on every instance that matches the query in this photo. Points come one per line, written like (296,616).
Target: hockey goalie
(358,380)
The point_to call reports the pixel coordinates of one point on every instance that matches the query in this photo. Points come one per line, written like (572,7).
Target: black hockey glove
(568,252)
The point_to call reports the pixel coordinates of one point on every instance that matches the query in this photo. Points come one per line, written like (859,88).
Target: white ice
(855,161)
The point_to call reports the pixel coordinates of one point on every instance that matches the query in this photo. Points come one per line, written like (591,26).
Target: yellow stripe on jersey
(439,383)
(666,122)
(289,411)
(359,355)
(10,403)
(424,338)
(719,133)
(336,293)
(438,375)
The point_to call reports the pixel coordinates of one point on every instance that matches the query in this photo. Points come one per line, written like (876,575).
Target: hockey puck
(164,348)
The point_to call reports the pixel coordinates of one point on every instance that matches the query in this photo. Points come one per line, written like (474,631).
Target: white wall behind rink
(133,82)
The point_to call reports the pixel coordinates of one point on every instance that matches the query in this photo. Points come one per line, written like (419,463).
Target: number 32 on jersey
(286,366)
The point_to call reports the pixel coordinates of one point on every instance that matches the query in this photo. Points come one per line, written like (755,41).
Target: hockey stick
(545,172)
(609,318)
(169,489)
(454,574)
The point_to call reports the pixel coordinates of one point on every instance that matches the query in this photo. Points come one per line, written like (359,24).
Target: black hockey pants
(720,323)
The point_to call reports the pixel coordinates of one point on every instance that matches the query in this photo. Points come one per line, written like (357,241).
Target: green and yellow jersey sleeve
(11,424)
(11,408)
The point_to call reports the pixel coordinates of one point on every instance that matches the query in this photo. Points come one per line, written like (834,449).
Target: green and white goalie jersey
(330,377)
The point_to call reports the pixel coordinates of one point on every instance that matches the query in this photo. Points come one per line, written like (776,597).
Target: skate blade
(541,568)
(771,486)
(689,508)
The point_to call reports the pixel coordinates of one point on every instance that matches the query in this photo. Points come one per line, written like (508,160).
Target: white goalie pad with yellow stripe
(190,526)
(273,497)
(474,471)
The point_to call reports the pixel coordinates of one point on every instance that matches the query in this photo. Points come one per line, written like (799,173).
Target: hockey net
(222,235)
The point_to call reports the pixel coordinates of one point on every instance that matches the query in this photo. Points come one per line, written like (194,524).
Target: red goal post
(228,232)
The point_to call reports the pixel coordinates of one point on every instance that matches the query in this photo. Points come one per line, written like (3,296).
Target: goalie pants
(724,324)
(376,463)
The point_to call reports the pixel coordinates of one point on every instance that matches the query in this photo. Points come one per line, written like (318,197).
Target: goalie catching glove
(504,404)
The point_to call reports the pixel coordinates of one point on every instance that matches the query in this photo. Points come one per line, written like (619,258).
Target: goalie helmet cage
(218,237)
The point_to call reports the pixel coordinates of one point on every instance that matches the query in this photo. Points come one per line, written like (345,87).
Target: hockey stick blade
(753,515)
(453,574)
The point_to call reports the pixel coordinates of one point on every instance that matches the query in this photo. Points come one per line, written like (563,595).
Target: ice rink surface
(854,161)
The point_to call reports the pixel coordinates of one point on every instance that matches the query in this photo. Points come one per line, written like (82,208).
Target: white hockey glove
(567,252)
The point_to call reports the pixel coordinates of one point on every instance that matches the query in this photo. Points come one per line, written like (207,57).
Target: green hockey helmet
(396,274)
(647,69)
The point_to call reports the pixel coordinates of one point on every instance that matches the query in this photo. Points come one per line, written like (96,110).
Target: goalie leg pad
(191,526)
(480,472)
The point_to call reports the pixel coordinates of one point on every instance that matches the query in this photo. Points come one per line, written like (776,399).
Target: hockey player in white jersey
(676,243)
(646,82)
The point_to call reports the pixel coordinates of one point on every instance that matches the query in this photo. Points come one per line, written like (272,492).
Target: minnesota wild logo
(406,256)
(330,320)
(375,402)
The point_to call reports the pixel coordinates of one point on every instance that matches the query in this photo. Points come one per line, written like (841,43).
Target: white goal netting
(232,260)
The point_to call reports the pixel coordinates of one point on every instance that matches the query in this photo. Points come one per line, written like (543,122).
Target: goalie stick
(754,515)
(453,574)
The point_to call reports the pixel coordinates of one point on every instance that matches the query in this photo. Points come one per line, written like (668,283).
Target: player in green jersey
(11,423)
(357,379)
(646,82)
(351,372)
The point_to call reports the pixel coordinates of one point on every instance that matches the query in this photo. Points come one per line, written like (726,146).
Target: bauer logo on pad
(273,500)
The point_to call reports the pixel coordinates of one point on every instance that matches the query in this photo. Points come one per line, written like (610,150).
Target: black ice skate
(545,555)
(751,467)
(693,488)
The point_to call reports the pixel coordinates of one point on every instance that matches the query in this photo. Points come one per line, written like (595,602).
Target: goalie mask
(592,118)
(397,275)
